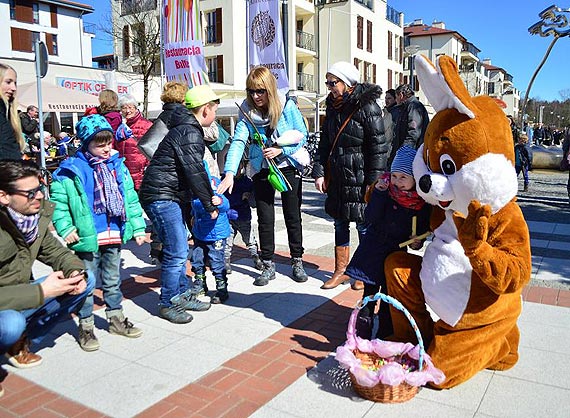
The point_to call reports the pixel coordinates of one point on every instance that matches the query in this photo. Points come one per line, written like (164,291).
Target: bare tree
(564,94)
(134,28)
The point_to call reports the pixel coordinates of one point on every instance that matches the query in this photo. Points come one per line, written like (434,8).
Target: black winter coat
(29,126)
(359,155)
(177,166)
(410,127)
(9,147)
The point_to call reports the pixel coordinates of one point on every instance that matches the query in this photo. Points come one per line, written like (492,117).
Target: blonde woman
(272,117)
(11,138)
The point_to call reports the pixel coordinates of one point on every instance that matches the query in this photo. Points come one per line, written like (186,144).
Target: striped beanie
(403,160)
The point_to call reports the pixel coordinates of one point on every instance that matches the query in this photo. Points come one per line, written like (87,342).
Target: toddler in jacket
(395,214)
(97,209)
(209,237)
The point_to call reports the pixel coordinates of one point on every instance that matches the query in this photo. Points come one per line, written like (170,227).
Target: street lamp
(552,22)
(411,51)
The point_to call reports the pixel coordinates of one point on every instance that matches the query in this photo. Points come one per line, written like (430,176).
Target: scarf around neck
(106,195)
(406,198)
(28,225)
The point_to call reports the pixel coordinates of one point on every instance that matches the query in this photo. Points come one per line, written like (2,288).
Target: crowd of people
(98,196)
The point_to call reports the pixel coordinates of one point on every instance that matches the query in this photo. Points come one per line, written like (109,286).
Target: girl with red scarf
(395,214)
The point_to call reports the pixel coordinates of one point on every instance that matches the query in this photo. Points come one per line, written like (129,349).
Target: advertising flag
(265,40)
(182,47)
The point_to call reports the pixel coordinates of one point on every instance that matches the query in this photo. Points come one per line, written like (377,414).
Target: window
(357,63)
(214,27)
(401,56)
(36,12)
(51,43)
(53,16)
(126,42)
(491,88)
(139,36)
(359,32)
(390,80)
(389,45)
(13,9)
(369,36)
(137,6)
(215,68)
(22,40)
(368,73)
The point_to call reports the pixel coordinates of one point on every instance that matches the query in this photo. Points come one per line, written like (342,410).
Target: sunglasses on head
(332,83)
(30,194)
(259,92)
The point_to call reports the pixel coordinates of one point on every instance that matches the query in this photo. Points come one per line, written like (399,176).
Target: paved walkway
(269,352)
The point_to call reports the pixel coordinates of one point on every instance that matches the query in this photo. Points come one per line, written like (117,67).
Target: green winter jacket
(72,182)
(16,258)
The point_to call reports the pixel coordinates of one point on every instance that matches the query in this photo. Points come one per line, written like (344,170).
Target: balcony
(469,52)
(392,15)
(89,28)
(366,3)
(305,82)
(305,40)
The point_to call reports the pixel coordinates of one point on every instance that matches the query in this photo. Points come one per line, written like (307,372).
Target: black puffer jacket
(177,165)
(359,156)
(9,146)
(410,127)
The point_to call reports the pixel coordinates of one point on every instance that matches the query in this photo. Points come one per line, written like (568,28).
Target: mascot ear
(442,85)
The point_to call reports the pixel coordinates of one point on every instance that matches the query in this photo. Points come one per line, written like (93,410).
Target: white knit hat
(346,72)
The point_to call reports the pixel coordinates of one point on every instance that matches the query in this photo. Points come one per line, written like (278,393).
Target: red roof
(426,30)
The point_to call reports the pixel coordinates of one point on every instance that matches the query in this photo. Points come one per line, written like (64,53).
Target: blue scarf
(26,224)
(106,195)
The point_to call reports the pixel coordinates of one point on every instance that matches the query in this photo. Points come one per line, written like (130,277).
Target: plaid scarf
(406,198)
(106,195)
(26,224)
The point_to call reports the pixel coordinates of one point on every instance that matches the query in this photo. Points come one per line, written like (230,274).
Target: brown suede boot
(341,258)
(357,285)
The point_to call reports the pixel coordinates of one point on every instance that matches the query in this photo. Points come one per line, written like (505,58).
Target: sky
(499,28)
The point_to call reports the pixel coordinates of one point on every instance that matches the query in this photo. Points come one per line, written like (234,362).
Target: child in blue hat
(97,209)
(390,213)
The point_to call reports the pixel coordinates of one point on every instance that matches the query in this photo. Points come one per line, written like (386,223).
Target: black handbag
(150,140)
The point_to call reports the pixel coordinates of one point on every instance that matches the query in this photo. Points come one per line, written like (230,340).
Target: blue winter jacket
(204,227)
(291,118)
(72,192)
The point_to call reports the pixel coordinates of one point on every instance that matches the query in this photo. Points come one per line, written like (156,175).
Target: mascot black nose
(425,183)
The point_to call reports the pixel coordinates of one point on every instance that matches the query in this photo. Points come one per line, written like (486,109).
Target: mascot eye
(447,165)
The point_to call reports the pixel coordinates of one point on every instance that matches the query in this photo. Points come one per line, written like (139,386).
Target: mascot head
(468,150)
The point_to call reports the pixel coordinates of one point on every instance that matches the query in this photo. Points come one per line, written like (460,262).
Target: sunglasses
(30,194)
(259,92)
(331,83)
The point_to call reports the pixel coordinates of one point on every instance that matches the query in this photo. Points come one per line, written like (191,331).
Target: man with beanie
(411,125)
(97,210)
(30,308)
(353,152)
(393,205)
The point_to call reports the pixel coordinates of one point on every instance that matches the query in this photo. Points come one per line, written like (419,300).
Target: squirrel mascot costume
(473,272)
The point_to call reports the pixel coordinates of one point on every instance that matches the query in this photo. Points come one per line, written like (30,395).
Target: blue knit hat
(89,126)
(404,160)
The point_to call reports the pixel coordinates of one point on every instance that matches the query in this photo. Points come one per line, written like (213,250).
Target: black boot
(299,275)
(267,274)
(221,290)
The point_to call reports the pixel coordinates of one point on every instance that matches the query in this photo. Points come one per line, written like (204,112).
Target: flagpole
(285,14)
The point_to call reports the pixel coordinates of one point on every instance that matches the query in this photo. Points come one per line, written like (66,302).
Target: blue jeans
(212,250)
(342,232)
(105,265)
(168,220)
(37,322)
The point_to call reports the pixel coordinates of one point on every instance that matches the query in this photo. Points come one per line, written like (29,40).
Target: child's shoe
(87,339)
(175,314)
(221,290)
(199,286)
(257,263)
(525,187)
(119,325)
(228,266)
(190,302)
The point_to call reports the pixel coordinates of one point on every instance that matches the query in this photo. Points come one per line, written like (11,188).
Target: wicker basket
(383,392)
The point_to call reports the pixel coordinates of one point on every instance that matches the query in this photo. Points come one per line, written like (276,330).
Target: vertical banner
(265,39)
(183,50)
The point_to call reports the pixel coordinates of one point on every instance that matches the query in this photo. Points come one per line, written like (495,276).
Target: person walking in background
(135,160)
(174,177)
(30,308)
(240,218)
(522,159)
(390,213)
(209,237)
(272,116)
(391,114)
(97,209)
(353,152)
(11,139)
(412,122)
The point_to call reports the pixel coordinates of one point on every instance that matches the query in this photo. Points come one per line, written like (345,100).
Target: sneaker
(220,297)
(199,286)
(268,273)
(257,263)
(119,325)
(299,274)
(20,356)
(175,314)
(525,188)
(87,339)
(189,301)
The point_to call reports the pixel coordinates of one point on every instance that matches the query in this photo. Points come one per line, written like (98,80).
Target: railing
(305,40)
(469,47)
(393,15)
(323,2)
(89,28)
(305,82)
(210,34)
(366,3)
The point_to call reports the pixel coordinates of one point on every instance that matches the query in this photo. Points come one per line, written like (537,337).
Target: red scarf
(406,198)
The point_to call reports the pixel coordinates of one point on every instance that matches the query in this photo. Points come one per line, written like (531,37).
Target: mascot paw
(472,230)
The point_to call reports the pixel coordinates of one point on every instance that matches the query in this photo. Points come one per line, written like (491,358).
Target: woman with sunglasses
(272,116)
(354,150)
(11,138)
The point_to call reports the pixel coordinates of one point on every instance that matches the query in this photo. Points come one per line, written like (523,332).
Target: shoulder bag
(328,167)
(150,140)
